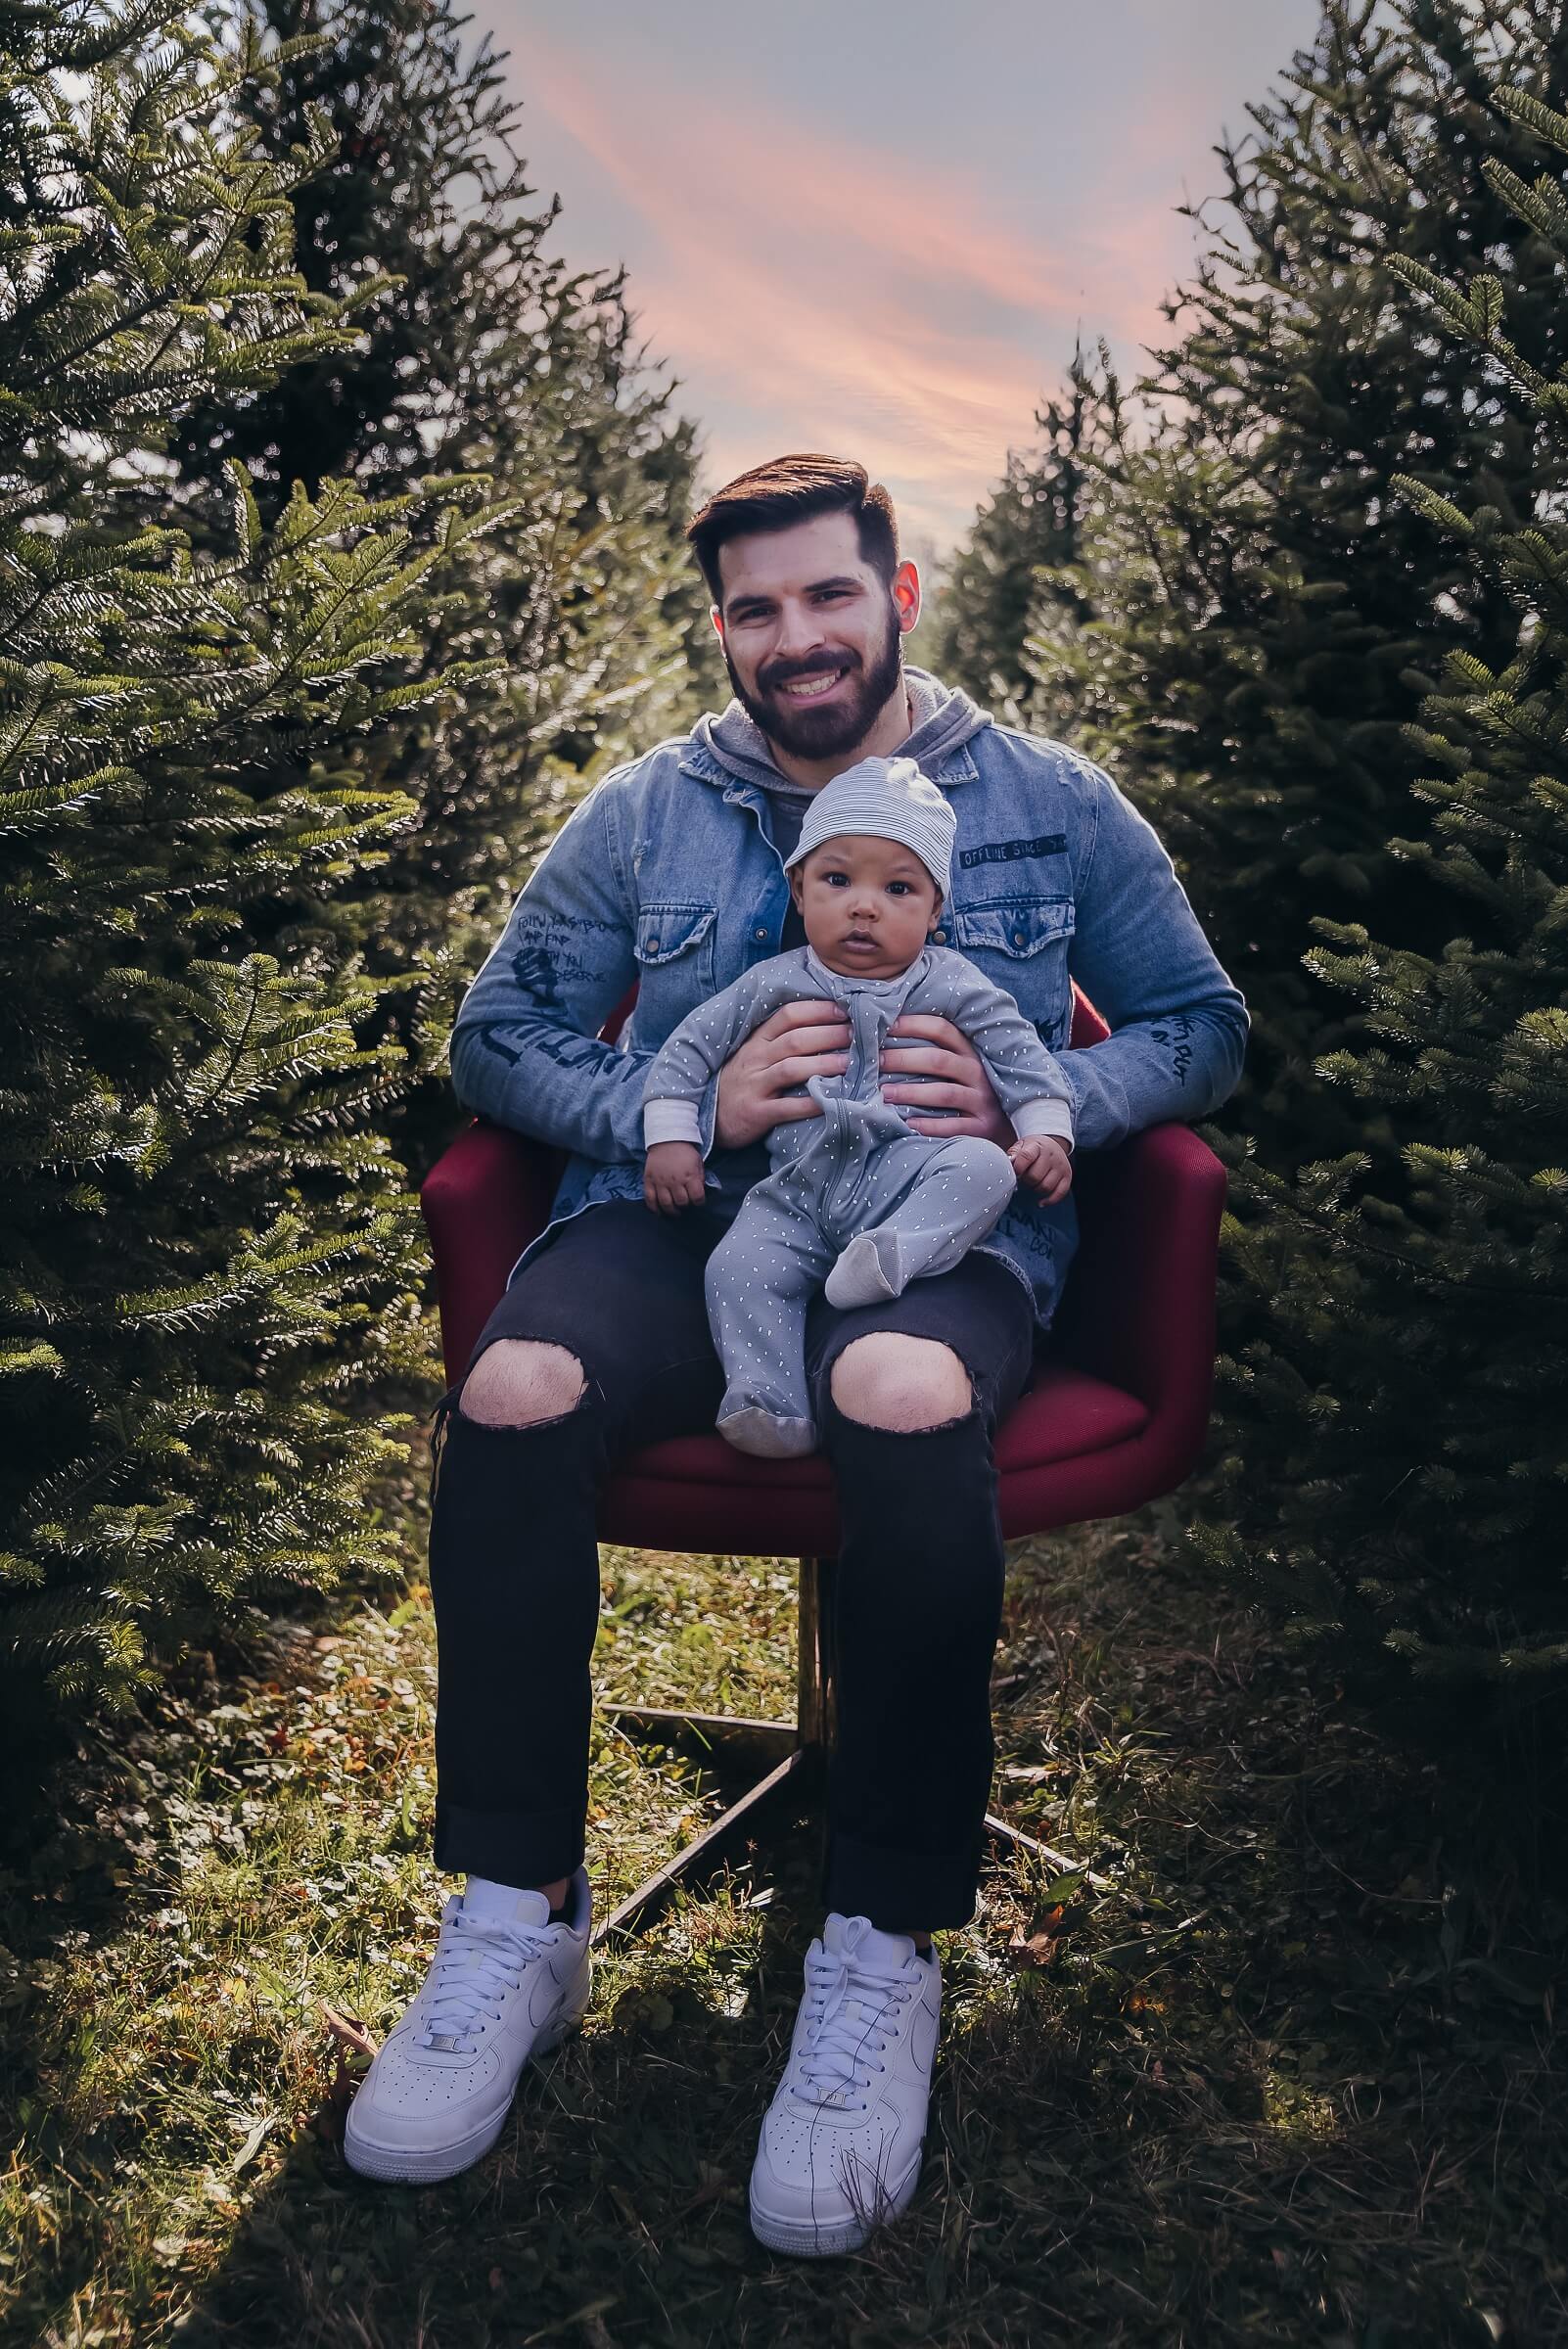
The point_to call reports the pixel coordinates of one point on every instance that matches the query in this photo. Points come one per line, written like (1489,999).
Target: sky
(876,227)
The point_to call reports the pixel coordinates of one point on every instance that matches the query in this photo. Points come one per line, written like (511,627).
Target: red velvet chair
(1115,1415)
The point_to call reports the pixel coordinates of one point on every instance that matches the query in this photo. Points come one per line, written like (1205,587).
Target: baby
(856,1195)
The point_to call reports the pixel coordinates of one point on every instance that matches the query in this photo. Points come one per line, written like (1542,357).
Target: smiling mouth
(812,688)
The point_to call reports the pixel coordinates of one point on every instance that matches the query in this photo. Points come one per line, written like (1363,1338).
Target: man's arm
(524,1048)
(1179,1027)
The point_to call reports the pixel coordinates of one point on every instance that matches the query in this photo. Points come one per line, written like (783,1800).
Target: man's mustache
(811,668)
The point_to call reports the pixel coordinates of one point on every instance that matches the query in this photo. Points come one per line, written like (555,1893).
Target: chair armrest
(485,1199)
(1139,1310)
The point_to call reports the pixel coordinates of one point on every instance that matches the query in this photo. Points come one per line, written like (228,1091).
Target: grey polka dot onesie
(854,1197)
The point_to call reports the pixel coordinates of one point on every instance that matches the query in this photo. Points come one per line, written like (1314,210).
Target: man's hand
(807,1038)
(673,1178)
(938,1050)
(1043,1164)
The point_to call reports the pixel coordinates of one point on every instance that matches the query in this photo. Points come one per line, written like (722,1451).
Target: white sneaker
(841,2143)
(505,1984)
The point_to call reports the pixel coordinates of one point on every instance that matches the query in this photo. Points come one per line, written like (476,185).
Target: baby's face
(868,905)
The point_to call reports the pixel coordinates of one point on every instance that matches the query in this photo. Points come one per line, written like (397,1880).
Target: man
(671,873)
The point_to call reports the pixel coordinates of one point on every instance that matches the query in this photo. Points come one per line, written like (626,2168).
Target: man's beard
(807,733)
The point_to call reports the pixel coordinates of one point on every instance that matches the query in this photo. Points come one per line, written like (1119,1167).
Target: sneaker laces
(478,1961)
(851,2015)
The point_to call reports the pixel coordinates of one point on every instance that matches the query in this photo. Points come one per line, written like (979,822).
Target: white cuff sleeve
(1053,1118)
(670,1122)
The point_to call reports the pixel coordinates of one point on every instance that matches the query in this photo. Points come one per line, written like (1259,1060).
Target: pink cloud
(835,298)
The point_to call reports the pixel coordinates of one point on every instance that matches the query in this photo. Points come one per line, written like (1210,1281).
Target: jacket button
(939,938)
(1019,939)
(653,945)
(759,933)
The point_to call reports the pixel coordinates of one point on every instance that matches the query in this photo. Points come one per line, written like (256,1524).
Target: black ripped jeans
(515,1566)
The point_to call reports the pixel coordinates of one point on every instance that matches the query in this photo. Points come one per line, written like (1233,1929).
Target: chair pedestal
(792,1756)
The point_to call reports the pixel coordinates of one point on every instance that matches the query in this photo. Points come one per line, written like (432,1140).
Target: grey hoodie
(944,719)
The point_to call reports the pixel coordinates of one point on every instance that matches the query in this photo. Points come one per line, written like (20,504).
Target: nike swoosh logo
(548,1995)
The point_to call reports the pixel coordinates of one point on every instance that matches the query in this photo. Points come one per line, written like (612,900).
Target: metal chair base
(793,1756)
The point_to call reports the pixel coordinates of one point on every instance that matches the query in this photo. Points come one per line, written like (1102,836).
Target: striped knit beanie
(888,799)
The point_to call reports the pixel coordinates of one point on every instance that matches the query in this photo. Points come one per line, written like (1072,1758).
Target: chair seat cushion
(1065,1414)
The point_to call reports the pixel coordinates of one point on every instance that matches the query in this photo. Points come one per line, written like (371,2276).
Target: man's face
(811,634)
(868,904)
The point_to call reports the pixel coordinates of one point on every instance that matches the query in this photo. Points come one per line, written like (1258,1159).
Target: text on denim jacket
(1005,851)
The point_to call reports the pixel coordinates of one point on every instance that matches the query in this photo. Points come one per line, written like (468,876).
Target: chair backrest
(1088,1026)
(618,1019)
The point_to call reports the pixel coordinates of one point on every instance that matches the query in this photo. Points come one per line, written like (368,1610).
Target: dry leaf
(348,2029)
(1039,1947)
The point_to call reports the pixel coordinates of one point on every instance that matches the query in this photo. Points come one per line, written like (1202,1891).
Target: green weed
(1274,2062)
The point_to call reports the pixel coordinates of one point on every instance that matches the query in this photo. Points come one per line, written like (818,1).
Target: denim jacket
(666,875)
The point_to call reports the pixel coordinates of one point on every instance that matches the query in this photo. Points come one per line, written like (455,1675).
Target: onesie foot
(860,1277)
(763,1433)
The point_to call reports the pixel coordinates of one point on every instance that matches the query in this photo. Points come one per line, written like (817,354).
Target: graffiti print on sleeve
(547,964)
(1174,1033)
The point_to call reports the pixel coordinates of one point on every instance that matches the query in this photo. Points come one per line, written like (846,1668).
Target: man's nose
(800,631)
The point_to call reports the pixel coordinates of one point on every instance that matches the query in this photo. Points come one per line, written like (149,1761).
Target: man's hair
(790,489)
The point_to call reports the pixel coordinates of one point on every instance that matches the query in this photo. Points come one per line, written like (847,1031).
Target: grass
(1279,2067)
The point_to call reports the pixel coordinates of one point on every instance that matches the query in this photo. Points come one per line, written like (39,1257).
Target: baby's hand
(673,1178)
(1043,1164)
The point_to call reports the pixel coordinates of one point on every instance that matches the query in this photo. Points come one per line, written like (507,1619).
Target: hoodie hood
(944,717)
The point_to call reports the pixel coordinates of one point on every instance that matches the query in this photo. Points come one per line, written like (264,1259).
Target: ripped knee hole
(523,1382)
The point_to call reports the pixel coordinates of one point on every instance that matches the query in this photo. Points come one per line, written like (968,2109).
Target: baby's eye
(897,889)
(837,880)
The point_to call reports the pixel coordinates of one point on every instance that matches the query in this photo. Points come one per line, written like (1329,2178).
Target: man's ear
(905,591)
(717,619)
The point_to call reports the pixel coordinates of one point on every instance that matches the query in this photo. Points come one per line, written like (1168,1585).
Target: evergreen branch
(1543,121)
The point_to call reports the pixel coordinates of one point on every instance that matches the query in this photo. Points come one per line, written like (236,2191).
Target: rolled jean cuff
(526,1848)
(902,1892)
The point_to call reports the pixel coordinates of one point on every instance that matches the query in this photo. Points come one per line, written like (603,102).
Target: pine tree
(1017,565)
(1415,1362)
(1305,540)
(484,354)
(1268,612)
(209,1266)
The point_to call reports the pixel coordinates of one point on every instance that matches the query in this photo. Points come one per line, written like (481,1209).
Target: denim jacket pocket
(1020,927)
(674,947)
(1023,943)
